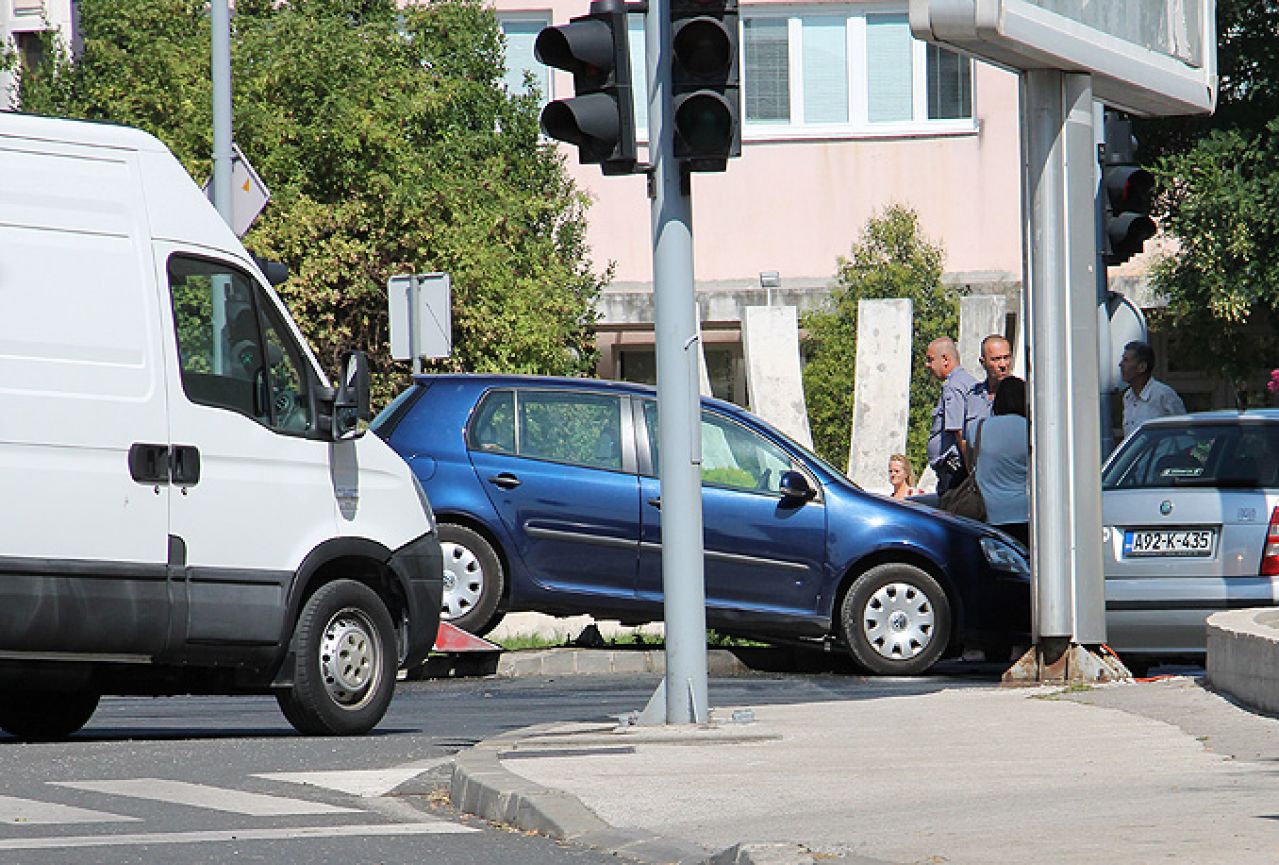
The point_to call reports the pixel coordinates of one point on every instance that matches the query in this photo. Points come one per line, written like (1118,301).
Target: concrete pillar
(770,342)
(979,316)
(881,389)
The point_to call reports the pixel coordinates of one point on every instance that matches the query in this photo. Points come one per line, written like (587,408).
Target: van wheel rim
(898,621)
(350,659)
(463,581)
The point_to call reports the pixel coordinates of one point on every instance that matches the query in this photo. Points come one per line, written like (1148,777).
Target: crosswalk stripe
(365,783)
(300,832)
(203,796)
(30,812)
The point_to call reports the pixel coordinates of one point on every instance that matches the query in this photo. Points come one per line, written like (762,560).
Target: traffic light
(704,83)
(1127,189)
(600,118)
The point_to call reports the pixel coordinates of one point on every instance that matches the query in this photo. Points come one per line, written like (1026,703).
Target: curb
(1243,656)
(483,787)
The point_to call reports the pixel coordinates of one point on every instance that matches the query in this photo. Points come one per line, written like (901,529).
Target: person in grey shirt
(945,439)
(1003,460)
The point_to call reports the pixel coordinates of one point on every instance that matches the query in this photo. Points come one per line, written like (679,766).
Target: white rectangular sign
(1149,57)
(429,323)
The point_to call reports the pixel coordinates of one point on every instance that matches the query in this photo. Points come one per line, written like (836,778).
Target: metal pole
(679,430)
(220,18)
(415,325)
(1066,501)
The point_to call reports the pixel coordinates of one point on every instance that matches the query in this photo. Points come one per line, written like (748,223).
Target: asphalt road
(214,780)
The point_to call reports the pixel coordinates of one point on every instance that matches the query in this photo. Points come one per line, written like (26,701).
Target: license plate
(1169,542)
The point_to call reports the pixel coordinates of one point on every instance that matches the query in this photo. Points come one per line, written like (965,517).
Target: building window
(520,34)
(848,73)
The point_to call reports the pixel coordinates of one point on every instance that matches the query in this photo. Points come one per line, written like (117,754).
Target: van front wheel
(344,662)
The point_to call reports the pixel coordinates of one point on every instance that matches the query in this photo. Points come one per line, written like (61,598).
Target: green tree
(1219,177)
(389,145)
(890,259)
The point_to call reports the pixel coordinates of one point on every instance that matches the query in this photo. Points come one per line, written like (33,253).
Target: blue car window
(493,424)
(732,455)
(579,428)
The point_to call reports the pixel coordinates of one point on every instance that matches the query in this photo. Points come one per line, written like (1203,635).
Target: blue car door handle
(656,502)
(505,480)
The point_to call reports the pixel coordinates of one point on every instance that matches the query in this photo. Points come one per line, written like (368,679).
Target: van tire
(473,580)
(46,716)
(896,620)
(344,655)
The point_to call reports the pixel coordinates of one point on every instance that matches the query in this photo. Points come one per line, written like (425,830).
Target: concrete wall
(881,388)
(770,341)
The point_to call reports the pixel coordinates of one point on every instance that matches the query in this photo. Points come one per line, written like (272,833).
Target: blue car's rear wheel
(896,620)
(473,580)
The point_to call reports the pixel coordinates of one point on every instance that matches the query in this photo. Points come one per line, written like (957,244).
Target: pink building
(844,114)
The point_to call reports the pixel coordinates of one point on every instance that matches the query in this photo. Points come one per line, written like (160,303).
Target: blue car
(547,498)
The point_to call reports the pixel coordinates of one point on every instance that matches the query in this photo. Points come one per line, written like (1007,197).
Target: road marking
(365,783)
(30,812)
(298,833)
(203,796)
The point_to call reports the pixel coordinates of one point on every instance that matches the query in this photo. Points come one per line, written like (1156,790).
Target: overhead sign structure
(1147,57)
(420,308)
(249,194)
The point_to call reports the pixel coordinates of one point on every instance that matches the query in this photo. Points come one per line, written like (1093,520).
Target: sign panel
(423,328)
(1148,57)
(249,194)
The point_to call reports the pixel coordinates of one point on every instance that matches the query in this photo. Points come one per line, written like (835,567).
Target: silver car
(1190,527)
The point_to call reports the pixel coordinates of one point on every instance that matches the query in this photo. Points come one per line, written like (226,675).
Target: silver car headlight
(1003,557)
(426,504)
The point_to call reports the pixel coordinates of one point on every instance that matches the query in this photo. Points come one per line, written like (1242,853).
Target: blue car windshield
(1239,455)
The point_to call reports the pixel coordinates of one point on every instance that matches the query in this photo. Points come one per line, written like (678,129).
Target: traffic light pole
(679,432)
(1066,487)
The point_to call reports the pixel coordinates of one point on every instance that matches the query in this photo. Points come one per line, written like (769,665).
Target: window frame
(858,125)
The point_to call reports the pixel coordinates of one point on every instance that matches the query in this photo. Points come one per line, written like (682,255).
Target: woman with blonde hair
(901,475)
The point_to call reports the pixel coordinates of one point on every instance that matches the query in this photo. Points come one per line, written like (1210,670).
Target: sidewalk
(1125,773)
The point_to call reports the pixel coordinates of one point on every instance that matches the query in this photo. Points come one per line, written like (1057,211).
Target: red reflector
(1270,555)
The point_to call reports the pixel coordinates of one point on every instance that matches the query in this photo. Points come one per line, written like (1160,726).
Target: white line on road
(364,783)
(30,812)
(203,796)
(222,836)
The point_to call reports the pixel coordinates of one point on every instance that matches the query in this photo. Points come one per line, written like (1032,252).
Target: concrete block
(881,380)
(770,343)
(1243,656)
(979,316)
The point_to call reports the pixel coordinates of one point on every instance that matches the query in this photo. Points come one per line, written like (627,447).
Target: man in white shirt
(1146,396)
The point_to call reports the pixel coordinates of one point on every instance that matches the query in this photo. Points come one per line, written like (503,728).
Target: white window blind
(766,51)
(825,52)
(888,68)
(520,36)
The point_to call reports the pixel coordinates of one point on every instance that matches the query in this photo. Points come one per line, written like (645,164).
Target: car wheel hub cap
(463,581)
(349,658)
(898,621)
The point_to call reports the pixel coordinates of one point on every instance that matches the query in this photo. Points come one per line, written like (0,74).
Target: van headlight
(1003,557)
(426,504)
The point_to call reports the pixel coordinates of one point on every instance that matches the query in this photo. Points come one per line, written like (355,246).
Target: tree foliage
(1219,177)
(389,146)
(891,259)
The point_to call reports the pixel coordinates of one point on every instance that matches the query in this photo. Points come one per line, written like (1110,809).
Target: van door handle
(184,465)
(505,480)
(148,463)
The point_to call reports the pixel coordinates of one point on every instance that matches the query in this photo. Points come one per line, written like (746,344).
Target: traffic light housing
(600,117)
(1127,190)
(704,83)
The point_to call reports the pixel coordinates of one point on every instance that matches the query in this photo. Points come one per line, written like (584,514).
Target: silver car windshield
(1223,455)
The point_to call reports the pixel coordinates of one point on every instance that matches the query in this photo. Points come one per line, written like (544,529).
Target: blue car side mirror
(795,486)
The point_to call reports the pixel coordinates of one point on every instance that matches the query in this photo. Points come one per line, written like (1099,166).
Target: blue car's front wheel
(896,620)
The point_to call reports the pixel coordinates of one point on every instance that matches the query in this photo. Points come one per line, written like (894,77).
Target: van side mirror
(351,400)
(794,487)
(275,272)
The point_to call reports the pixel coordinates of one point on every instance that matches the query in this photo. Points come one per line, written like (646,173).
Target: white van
(186,505)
